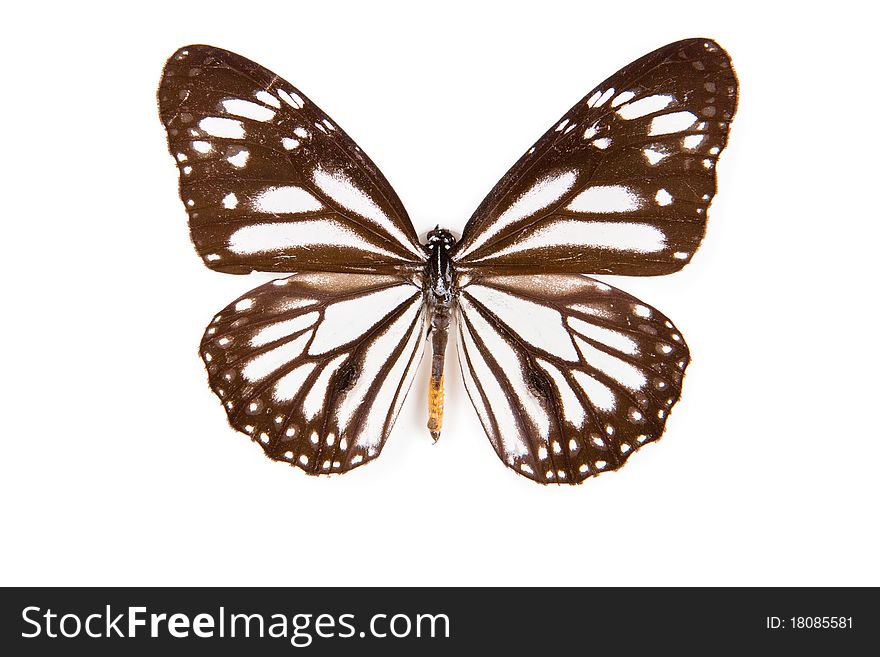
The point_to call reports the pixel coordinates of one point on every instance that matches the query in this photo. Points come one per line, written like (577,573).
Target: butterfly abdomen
(440,316)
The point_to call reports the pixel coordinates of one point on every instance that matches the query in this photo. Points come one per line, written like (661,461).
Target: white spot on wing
(289,199)
(674,122)
(239,159)
(605,199)
(604,98)
(265,97)
(230,201)
(654,156)
(620,99)
(291,98)
(663,197)
(247,109)
(217,126)
(644,106)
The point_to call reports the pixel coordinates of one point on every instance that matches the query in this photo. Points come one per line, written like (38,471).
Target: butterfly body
(440,300)
(569,376)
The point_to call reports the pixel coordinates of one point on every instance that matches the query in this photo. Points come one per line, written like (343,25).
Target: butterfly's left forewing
(270,182)
(314,367)
(568,375)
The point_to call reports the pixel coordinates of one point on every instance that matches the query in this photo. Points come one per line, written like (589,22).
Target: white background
(118,466)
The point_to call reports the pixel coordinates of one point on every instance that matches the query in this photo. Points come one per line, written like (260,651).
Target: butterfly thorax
(439,268)
(440,296)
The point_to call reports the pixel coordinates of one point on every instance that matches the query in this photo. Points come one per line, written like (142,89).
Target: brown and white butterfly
(569,376)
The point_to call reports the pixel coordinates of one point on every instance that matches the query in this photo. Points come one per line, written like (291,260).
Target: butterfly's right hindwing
(568,375)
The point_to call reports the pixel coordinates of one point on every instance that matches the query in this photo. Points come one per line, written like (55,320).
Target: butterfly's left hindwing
(314,367)
(269,181)
(568,375)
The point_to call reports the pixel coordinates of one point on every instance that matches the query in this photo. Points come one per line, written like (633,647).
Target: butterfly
(569,376)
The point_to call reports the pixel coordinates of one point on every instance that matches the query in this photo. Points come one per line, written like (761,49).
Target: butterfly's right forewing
(622,182)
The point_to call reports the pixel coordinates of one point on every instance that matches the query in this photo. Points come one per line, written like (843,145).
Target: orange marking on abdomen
(435,407)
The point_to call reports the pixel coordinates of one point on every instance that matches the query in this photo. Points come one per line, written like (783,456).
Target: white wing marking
(539,325)
(509,362)
(613,339)
(644,106)
(669,123)
(247,109)
(283,328)
(261,366)
(513,443)
(543,193)
(370,433)
(269,237)
(621,98)
(572,409)
(288,199)
(600,395)
(291,383)
(627,375)
(346,320)
(615,236)
(342,190)
(265,97)
(316,398)
(217,126)
(605,199)
(291,98)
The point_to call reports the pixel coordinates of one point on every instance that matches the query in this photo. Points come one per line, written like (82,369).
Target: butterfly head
(440,236)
